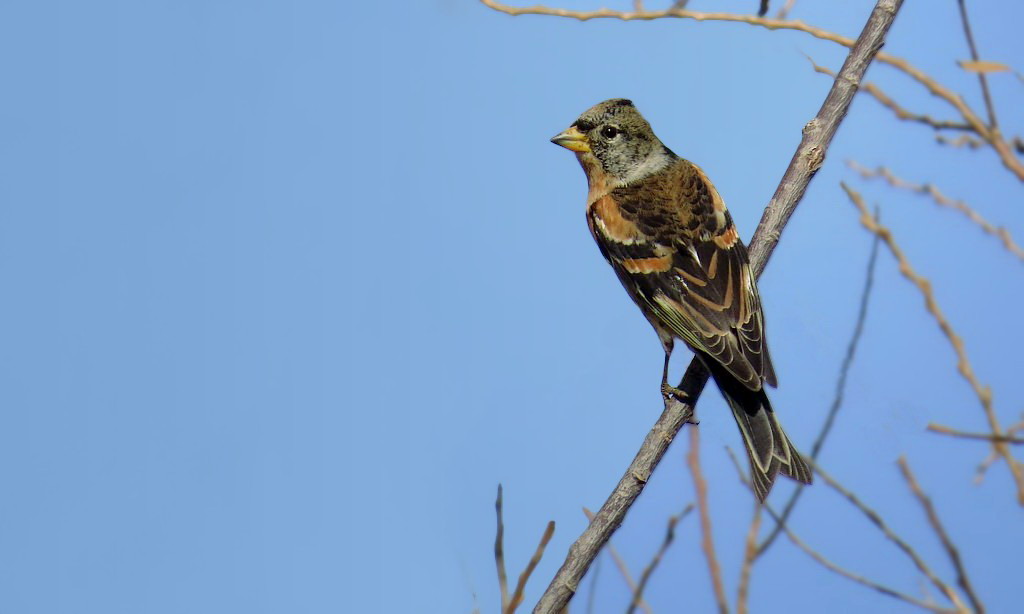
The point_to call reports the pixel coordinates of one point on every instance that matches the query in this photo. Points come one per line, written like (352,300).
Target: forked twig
(831,566)
(947,543)
(981,74)
(891,535)
(928,189)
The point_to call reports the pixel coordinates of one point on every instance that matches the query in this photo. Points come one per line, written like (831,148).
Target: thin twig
(517,596)
(670,535)
(499,552)
(820,558)
(992,137)
(749,556)
(928,189)
(889,103)
(707,544)
(984,393)
(808,158)
(940,531)
(900,543)
(945,430)
(621,564)
(981,74)
(837,399)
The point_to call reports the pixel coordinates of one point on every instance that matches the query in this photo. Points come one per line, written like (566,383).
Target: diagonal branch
(809,156)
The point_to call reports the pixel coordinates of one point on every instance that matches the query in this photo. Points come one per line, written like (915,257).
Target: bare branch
(623,568)
(670,534)
(945,430)
(974,56)
(837,399)
(984,393)
(517,596)
(499,552)
(930,190)
(809,156)
(749,556)
(700,487)
(947,543)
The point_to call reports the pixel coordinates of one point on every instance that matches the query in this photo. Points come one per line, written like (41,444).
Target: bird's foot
(671,393)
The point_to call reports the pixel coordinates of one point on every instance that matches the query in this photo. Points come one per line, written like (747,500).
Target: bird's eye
(609,132)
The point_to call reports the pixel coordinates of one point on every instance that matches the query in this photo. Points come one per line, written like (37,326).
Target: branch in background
(981,74)
(984,393)
(820,558)
(808,158)
(930,190)
(990,136)
(707,544)
(900,543)
(517,596)
(945,430)
(499,552)
(889,103)
(623,568)
(593,585)
(749,556)
(670,535)
(509,604)
(786,8)
(837,400)
(940,531)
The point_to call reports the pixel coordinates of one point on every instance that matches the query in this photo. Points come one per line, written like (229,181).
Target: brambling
(664,229)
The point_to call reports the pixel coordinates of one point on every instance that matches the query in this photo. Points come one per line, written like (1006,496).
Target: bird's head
(614,140)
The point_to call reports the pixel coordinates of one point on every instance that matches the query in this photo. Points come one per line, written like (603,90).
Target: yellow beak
(572,139)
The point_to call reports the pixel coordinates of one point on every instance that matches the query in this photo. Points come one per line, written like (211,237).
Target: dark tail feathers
(768,448)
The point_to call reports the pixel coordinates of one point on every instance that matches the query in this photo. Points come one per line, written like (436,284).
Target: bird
(665,230)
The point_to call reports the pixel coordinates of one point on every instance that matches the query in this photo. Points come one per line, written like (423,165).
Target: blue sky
(291,287)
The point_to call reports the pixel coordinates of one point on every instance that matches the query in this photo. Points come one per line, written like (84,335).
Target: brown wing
(675,248)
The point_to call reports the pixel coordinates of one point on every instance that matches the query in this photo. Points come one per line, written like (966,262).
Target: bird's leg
(667,390)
